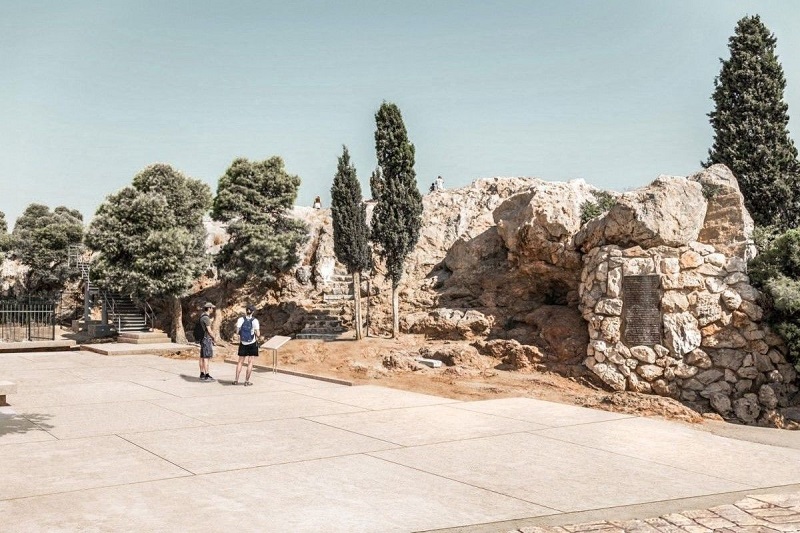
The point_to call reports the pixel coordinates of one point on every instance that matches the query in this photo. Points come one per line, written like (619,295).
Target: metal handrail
(111,308)
(149,314)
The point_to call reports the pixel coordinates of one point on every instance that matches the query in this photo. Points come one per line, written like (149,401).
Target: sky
(613,92)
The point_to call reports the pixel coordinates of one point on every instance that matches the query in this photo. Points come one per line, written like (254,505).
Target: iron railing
(27,321)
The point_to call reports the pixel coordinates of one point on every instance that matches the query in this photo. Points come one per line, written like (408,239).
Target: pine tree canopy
(149,237)
(350,231)
(750,122)
(41,241)
(254,198)
(398,214)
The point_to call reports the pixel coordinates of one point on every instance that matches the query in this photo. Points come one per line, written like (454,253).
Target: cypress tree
(350,231)
(398,213)
(750,122)
(376,183)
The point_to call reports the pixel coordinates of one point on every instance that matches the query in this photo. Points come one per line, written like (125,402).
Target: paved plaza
(138,443)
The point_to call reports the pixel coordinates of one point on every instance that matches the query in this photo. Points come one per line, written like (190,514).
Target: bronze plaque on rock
(641,310)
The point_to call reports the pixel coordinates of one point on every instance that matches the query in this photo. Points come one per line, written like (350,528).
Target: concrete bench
(6,387)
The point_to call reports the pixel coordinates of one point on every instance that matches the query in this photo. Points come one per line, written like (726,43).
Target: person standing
(248,329)
(207,343)
(439,183)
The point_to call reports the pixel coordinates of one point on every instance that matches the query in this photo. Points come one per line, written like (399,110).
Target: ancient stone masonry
(714,350)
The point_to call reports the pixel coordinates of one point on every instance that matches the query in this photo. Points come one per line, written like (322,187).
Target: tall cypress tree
(398,213)
(350,231)
(750,122)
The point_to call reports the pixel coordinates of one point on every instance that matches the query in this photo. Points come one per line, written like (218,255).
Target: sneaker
(202,376)
(209,378)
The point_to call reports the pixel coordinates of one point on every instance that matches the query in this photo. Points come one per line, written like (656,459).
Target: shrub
(602,203)
(776,272)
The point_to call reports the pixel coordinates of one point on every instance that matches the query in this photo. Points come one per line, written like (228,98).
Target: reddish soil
(361,362)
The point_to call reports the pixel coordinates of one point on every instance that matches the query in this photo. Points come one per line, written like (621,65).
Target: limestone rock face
(668,212)
(727,225)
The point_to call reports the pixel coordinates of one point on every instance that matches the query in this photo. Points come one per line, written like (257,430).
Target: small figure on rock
(317,203)
(439,183)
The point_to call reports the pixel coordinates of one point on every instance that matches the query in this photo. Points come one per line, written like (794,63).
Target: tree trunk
(178,333)
(395,311)
(357,303)
(216,321)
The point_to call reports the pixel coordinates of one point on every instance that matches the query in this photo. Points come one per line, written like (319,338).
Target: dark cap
(250,309)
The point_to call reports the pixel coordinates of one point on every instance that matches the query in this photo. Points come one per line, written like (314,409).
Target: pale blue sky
(615,92)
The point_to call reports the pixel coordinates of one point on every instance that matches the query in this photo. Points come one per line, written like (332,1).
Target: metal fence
(27,321)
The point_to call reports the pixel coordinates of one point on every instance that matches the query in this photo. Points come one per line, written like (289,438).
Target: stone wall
(712,349)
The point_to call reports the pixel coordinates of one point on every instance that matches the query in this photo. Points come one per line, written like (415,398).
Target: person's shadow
(196,379)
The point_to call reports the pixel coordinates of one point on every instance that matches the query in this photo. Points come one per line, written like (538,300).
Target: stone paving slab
(414,426)
(373,397)
(346,494)
(74,421)
(540,411)
(15,428)
(120,373)
(529,467)
(36,468)
(663,442)
(29,380)
(232,409)
(234,446)
(128,348)
(86,393)
(190,386)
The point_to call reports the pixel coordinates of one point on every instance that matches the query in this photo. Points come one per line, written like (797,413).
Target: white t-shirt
(255,329)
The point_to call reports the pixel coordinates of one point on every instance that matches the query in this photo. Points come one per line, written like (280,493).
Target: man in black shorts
(207,342)
(247,327)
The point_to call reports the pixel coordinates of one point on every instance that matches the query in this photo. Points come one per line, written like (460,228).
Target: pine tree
(149,238)
(350,231)
(41,241)
(398,213)
(750,122)
(254,198)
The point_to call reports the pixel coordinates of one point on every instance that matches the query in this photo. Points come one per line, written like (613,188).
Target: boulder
(727,225)
(747,408)
(462,355)
(639,217)
(561,330)
(681,332)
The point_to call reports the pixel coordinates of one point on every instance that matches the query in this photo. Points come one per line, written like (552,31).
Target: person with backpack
(203,335)
(247,327)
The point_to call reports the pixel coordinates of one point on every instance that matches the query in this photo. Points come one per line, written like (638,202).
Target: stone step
(324,323)
(336,297)
(323,331)
(143,337)
(319,336)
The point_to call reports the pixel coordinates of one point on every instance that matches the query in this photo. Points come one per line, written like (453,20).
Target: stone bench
(6,387)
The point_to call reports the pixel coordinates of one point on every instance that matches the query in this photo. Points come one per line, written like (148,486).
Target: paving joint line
(460,482)
(154,454)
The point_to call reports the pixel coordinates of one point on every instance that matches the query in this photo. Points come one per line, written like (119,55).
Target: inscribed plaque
(641,310)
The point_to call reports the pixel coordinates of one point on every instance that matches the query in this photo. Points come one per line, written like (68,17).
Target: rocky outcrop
(506,265)
(668,212)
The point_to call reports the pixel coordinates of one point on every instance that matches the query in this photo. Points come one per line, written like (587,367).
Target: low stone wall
(702,343)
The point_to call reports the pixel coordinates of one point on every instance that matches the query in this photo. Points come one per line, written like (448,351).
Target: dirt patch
(363,362)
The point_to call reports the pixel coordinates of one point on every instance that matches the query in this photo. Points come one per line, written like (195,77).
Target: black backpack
(199,330)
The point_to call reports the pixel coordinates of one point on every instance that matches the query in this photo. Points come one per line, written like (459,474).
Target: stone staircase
(325,320)
(124,314)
